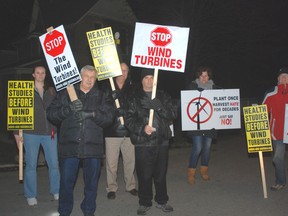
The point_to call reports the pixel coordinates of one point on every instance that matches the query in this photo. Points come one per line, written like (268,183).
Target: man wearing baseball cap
(276,100)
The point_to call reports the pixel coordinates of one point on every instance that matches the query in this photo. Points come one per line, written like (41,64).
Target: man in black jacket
(117,140)
(81,139)
(151,142)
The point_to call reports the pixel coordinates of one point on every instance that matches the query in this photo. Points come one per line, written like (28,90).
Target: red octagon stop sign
(161,36)
(54,43)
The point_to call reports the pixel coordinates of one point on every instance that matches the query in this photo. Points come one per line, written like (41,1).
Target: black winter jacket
(136,118)
(81,139)
(116,129)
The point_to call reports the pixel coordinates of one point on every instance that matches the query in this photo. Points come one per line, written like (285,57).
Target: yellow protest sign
(20,111)
(104,53)
(257,128)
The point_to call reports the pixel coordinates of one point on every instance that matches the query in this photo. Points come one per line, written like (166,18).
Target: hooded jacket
(276,99)
(81,139)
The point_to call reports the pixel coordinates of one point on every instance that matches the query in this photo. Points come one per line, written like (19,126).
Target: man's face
(283,78)
(88,80)
(204,77)
(147,83)
(125,70)
(39,74)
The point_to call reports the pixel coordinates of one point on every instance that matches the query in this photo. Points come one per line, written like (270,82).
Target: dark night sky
(15,16)
(245,42)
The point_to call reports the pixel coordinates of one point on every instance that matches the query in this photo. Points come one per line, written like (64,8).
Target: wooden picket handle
(20,149)
(263,174)
(155,78)
(72,93)
(116,101)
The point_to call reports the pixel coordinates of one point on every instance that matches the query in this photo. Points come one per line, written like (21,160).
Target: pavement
(235,188)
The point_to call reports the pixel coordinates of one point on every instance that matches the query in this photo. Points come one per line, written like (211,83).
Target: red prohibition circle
(206,103)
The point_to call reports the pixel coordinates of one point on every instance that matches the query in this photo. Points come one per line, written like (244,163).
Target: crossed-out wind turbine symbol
(200,107)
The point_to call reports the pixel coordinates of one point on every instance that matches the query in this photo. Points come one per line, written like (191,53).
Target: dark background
(245,42)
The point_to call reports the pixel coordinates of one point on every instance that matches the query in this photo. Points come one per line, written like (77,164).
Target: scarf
(206,86)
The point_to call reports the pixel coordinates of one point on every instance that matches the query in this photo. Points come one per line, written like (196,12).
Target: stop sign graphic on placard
(161,36)
(54,43)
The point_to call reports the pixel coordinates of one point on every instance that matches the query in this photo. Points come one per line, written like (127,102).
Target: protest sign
(219,109)
(162,47)
(258,135)
(59,57)
(104,53)
(105,56)
(257,128)
(20,111)
(159,47)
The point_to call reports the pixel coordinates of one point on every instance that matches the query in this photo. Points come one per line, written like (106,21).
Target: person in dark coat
(117,139)
(151,142)
(81,139)
(201,139)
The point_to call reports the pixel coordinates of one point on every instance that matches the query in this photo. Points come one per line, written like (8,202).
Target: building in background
(78,18)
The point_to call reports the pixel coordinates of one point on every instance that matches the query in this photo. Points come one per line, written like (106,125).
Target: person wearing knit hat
(282,75)
(146,72)
(151,141)
(276,100)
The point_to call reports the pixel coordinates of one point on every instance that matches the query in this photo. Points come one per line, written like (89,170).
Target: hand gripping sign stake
(116,101)
(105,57)
(151,115)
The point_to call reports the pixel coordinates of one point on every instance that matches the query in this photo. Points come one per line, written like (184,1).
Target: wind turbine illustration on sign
(200,103)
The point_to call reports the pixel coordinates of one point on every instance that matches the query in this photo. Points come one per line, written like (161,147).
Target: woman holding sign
(201,139)
(44,134)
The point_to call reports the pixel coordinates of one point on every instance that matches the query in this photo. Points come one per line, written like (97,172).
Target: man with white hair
(81,139)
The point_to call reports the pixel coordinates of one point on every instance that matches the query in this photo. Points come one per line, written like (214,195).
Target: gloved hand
(82,115)
(116,94)
(76,105)
(66,111)
(154,104)
(120,112)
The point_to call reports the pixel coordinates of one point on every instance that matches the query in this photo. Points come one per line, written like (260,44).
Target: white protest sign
(162,47)
(219,109)
(60,58)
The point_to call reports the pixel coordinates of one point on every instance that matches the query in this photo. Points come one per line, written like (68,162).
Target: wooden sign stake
(116,101)
(20,149)
(151,115)
(263,174)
